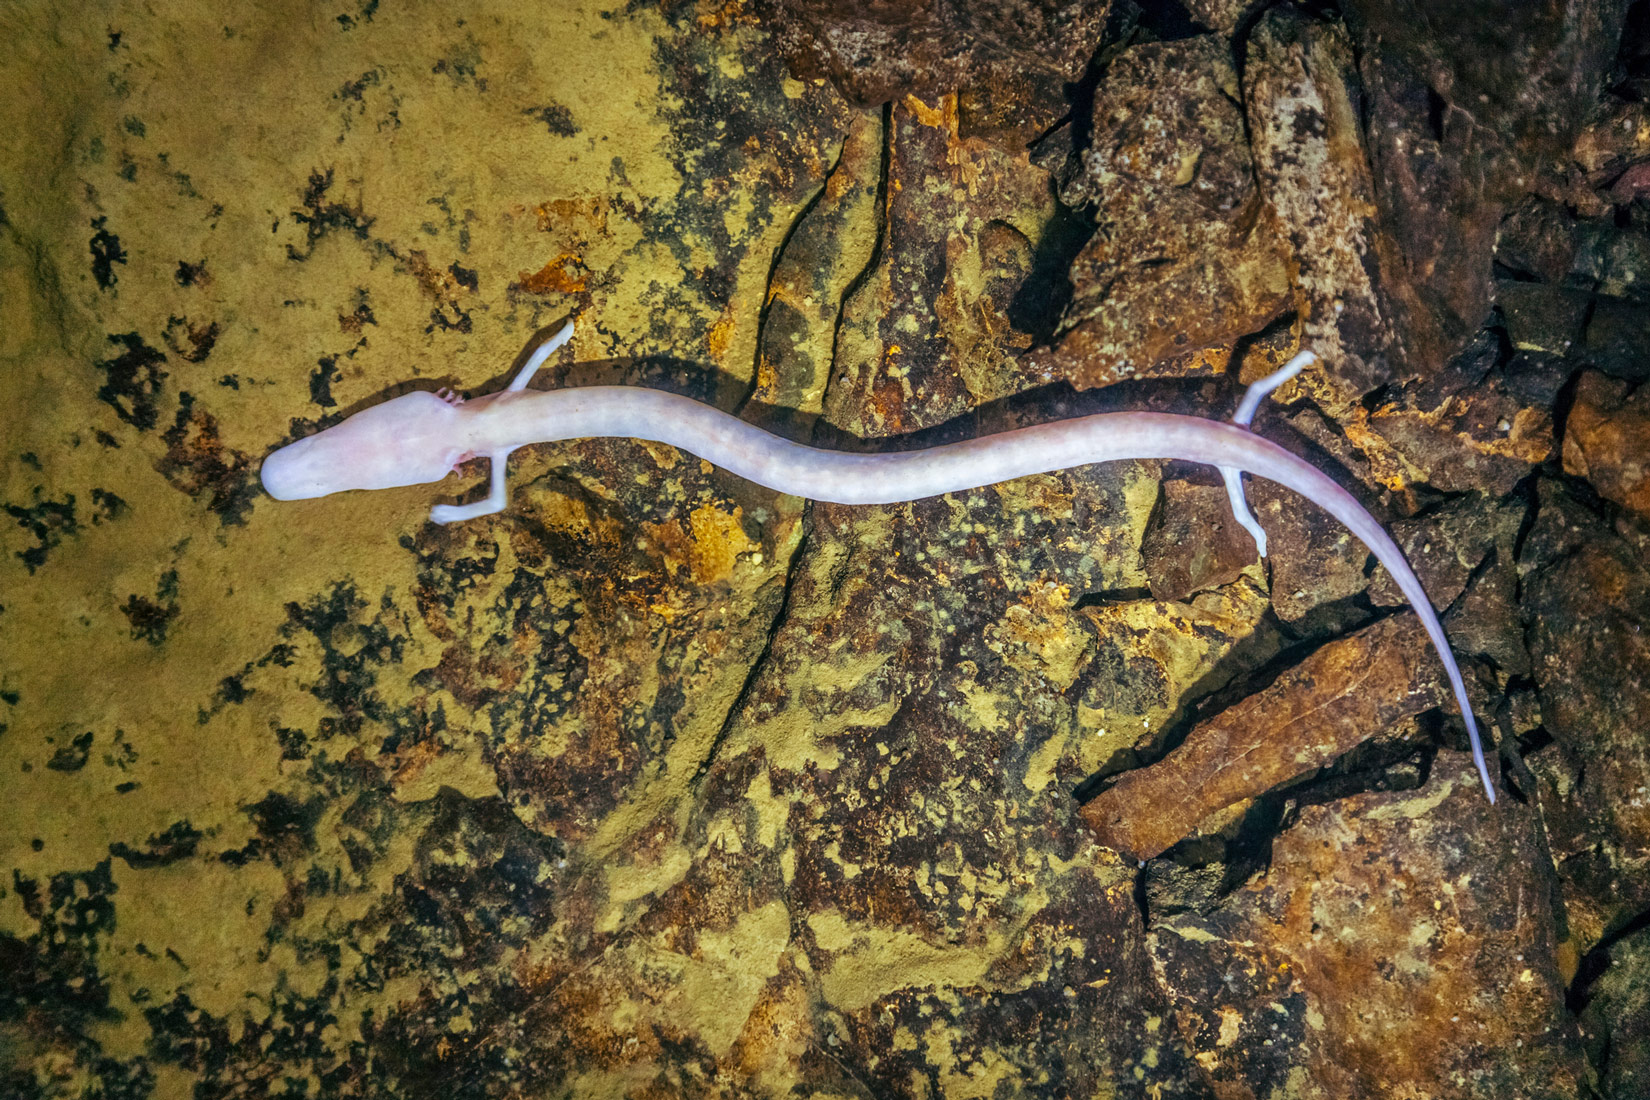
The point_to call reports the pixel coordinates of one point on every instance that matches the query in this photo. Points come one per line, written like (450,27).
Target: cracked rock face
(660,784)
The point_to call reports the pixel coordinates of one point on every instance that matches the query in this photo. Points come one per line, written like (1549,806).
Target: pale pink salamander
(420,437)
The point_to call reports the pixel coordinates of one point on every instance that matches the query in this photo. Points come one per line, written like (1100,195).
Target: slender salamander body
(420,437)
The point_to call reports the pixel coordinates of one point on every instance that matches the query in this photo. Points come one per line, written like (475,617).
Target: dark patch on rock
(721,121)
(177,842)
(285,830)
(321,379)
(190,341)
(107,506)
(192,274)
(150,618)
(73,756)
(353,648)
(106,253)
(187,1036)
(321,215)
(132,381)
(482,888)
(48,522)
(196,462)
(464,277)
(55,993)
(355,320)
(447,287)
(492,880)
(557,119)
(289,1032)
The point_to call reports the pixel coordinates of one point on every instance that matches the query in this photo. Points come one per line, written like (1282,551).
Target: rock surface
(1607,441)
(1312,714)
(1457,991)
(658,784)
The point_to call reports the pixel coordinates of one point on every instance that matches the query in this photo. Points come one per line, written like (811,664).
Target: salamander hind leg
(1245,415)
(1257,391)
(540,354)
(1233,477)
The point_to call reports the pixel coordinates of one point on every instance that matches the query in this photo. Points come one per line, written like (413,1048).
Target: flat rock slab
(1341,695)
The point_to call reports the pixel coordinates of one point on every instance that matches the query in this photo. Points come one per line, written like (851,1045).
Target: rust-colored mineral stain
(1338,697)
(562,275)
(720,338)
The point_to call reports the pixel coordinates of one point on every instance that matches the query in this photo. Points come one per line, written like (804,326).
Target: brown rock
(1607,440)
(1468,427)
(1615,138)
(1011,58)
(1586,613)
(1616,1021)
(1541,317)
(1225,16)
(1346,692)
(1185,256)
(925,334)
(1463,112)
(1299,80)
(1464,552)
(1616,259)
(1617,339)
(830,245)
(1399,945)
(1194,543)
(1314,561)
(1537,238)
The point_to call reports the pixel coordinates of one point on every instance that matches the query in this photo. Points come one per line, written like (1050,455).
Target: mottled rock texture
(1007,60)
(1180,227)
(1607,440)
(658,784)
(1454,986)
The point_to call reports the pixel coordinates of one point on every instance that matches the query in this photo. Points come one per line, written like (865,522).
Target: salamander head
(409,440)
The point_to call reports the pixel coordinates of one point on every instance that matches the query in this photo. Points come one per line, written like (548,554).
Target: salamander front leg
(494,501)
(1245,415)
